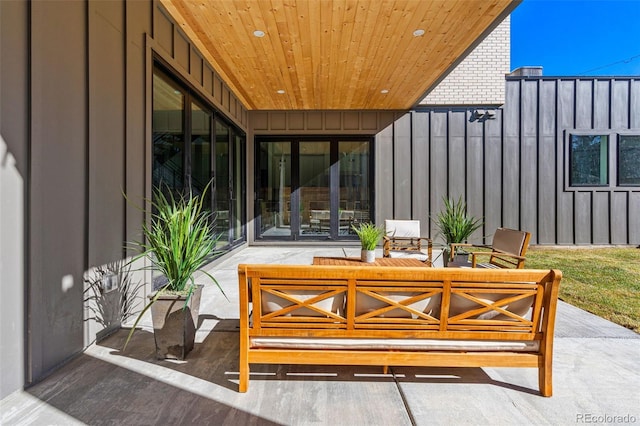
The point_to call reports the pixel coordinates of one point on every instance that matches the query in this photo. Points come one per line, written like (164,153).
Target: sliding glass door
(355,182)
(222,182)
(274,189)
(312,189)
(213,156)
(314,161)
(229,183)
(201,170)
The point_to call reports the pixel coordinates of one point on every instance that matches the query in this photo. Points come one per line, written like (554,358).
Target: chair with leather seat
(508,250)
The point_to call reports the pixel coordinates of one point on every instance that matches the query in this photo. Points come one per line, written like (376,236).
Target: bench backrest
(392,302)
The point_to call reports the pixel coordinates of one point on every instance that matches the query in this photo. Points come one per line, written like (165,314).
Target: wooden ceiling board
(334,54)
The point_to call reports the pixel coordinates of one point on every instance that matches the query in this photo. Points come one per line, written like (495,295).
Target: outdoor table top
(380,261)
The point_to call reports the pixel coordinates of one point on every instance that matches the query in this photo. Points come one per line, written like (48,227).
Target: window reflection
(314,207)
(629,160)
(188,154)
(222,182)
(354,185)
(313,188)
(275,189)
(589,160)
(200,151)
(168,134)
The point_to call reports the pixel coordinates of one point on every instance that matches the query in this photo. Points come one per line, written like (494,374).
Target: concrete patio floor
(596,378)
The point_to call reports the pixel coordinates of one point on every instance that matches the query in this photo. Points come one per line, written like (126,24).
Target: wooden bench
(340,315)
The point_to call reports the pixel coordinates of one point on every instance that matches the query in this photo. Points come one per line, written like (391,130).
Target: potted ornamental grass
(370,236)
(178,242)
(455,225)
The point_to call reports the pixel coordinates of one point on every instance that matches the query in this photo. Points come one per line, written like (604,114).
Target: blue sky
(577,37)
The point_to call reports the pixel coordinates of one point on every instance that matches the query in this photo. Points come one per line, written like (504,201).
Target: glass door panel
(201,153)
(222,183)
(237,193)
(168,135)
(314,204)
(354,188)
(274,192)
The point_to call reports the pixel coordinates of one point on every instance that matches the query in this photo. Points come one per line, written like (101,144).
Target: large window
(589,159)
(195,146)
(606,159)
(629,160)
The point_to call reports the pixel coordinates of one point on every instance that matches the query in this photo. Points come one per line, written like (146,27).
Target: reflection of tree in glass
(629,160)
(588,158)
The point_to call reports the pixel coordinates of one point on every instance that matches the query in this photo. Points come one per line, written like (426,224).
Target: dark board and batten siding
(321,122)
(79,128)
(511,168)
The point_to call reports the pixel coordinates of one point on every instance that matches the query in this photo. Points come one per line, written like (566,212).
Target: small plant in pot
(370,236)
(455,225)
(179,242)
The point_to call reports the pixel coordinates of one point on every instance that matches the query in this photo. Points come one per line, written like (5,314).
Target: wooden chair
(402,239)
(508,250)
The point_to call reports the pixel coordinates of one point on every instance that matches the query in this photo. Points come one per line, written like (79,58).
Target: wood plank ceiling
(334,54)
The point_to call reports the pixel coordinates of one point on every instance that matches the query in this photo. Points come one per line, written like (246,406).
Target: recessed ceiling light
(418,33)
(281,92)
(258,33)
(384,91)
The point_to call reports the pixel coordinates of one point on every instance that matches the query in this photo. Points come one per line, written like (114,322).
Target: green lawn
(603,281)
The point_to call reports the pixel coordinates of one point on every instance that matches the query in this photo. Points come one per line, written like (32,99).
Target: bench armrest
(493,253)
(454,246)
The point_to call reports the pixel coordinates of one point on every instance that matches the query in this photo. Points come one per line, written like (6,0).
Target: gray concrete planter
(459,259)
(368,256)
(174,325)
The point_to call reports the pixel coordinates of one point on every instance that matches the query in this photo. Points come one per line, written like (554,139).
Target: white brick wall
(479,78)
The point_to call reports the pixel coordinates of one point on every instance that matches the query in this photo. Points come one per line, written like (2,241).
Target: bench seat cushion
(414,254)
(394,344)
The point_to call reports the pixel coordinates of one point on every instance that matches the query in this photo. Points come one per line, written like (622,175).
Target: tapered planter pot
(174,325)
(459,259)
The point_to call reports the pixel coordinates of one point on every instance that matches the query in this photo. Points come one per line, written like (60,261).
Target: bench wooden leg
(544,377)
(385,369)
(244,378)
(243,383)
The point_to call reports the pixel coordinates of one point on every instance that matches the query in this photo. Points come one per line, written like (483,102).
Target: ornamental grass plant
(454,224)
(178,243)
(179,240)
(369,235)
